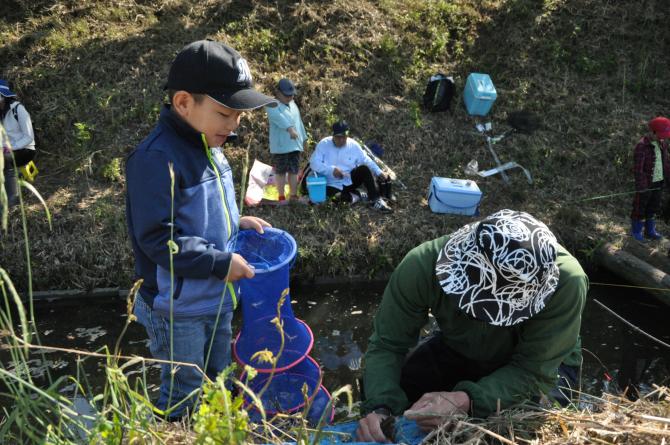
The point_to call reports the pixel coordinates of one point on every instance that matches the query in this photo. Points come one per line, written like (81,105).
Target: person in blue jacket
(183,219)
(287,140)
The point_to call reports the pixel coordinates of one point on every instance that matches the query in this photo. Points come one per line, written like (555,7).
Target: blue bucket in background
(316,188)
(479,94)
(271,254)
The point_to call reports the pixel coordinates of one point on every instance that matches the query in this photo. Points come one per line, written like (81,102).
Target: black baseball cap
(341,128)
(217,70)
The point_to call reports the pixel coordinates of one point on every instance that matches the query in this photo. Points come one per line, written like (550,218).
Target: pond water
(615,356)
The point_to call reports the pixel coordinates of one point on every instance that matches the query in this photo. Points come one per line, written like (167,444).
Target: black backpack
(439,92)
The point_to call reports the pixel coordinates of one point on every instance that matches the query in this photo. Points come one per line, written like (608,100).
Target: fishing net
(263,336)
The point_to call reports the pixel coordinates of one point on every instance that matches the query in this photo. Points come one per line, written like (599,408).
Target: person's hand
(370,430)
(383,176)
(239,268)
(338,173)
(292,132)
(434,408)
(254,222)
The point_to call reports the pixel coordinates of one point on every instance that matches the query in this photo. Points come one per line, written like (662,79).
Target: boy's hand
(254,222)
(292,132)
(338,173)
(239,268)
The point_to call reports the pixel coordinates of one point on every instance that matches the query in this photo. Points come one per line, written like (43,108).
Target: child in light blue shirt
(287,139)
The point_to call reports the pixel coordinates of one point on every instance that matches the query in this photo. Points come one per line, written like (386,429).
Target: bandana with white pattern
(502,270)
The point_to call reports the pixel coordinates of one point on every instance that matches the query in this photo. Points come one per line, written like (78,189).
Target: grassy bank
(91,74)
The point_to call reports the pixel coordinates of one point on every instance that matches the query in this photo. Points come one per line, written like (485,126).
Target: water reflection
(615,356)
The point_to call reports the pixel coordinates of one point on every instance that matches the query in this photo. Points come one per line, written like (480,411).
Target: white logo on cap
(244,74)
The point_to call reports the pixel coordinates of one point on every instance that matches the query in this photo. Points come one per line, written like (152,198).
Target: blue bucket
(271,254)
(316,189)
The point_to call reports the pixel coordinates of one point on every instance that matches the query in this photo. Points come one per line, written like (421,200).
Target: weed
(220,417)
(112,170)
(82,134)
(415,112)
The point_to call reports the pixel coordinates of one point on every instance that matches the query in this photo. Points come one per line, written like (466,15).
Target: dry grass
(594,71)
(610,420)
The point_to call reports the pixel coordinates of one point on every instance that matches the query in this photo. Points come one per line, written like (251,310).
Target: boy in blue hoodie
(183,219)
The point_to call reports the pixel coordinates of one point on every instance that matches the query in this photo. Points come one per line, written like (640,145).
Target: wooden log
(654,253)
(72,294)
(635,270)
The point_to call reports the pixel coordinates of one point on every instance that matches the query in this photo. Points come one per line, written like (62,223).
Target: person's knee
(362,169)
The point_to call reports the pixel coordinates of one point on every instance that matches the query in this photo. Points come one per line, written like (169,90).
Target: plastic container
(479,94)
(455,196)
(271,254)
(316,188)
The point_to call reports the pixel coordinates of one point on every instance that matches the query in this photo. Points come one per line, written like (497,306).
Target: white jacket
(327,156)
(19,129)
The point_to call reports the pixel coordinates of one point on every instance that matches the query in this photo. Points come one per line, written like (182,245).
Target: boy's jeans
(191,341)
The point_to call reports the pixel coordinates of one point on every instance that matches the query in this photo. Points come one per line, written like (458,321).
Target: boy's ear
(182,102)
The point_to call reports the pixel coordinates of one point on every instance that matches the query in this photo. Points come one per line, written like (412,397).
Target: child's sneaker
(381,205)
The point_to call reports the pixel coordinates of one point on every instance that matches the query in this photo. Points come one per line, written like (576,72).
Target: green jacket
(523,359)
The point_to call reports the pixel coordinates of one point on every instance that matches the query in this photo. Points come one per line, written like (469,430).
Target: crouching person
(346,167)
(508,300)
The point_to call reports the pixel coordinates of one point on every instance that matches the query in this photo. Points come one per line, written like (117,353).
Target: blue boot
(650,230)
(637,225)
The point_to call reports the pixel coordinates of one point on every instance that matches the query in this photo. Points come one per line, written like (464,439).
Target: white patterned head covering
(502,270)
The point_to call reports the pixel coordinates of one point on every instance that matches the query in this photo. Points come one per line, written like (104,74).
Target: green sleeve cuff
(477,406)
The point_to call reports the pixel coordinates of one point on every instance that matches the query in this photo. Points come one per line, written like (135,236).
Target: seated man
(508,300)
(346,167)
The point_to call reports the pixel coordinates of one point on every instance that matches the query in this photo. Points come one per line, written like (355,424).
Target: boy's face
(209,117)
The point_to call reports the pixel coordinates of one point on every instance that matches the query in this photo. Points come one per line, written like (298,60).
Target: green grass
(91,74)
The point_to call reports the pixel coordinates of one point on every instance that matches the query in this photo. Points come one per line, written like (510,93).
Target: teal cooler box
(316,189)
(479,94)
(455,196)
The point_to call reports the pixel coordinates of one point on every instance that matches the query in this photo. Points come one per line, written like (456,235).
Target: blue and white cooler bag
(455,196)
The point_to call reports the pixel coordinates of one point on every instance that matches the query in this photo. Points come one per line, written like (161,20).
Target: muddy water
(340,318)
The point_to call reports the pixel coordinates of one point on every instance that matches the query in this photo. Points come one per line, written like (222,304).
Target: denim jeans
(191,341)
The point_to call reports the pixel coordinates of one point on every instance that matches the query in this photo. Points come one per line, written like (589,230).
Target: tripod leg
(495,157)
